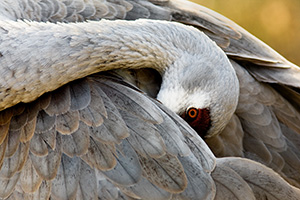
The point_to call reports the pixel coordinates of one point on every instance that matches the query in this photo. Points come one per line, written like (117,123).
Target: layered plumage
(80,134)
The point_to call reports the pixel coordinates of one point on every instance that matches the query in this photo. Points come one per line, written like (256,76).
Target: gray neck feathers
(40,57)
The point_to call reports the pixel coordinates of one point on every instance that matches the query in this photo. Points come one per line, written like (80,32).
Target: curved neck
(40,57)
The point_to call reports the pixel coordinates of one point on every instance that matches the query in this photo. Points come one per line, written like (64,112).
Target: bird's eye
(192,112)
(198,119)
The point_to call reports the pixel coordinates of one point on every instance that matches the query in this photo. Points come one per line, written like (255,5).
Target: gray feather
(144,137)
(13,142)
(80,95)
(87,188)
(172,137)
(12,165)
(30,180)
(28,130)
(144,189)
(199,182)
(230,185)
(77,143)
(196,145)
(96,114)
(44,122)
(165,172)
(43,193)
(100,155)
(18,121)
(131,101)
(93,114)
(68,122)
(127,170)
(7,185)
(268,185)
(40,142)
(60,102)
(66,182)
(47,166)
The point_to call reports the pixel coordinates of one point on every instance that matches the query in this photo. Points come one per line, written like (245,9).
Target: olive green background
(276,22)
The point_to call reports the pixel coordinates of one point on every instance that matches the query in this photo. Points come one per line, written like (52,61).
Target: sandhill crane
(91,98)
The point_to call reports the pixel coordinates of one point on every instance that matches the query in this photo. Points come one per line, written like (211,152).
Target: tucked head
(203,89)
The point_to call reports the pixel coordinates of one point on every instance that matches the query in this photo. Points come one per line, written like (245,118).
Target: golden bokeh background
(276,22)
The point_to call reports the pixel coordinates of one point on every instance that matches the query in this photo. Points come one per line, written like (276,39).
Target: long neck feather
(39,57)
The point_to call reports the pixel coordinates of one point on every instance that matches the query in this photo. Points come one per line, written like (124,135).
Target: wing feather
(18,121)
(173,138)
(128,170)
(43,193)
(6,116)
(80,95)
(166,172)
(106,189)
(88,11)
(87,188)
(262,113)
(13,142)
(7,185)
(44,122)
(30,180)
(60,102)
(144,137)
(11,165)
(38,146)
(113,123)
(263,181)
(277,161)
(77,143)
(147,190)
(47,166)
(100,155)
(68,122)
(231,141)
(28,131)
(200,183)
(61,13)
(4,129)
(40,142)
(130,101)
(230,185)
(258,148)
(196,145)
(66,182)
(87,128)
(93,114)
(2,150)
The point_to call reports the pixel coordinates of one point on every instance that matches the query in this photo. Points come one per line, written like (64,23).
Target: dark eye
(192,113)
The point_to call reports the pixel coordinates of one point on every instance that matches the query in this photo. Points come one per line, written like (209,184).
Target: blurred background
(276,22)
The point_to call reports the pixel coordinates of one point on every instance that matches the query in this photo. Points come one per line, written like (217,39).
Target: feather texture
(265,186)
(99,136)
